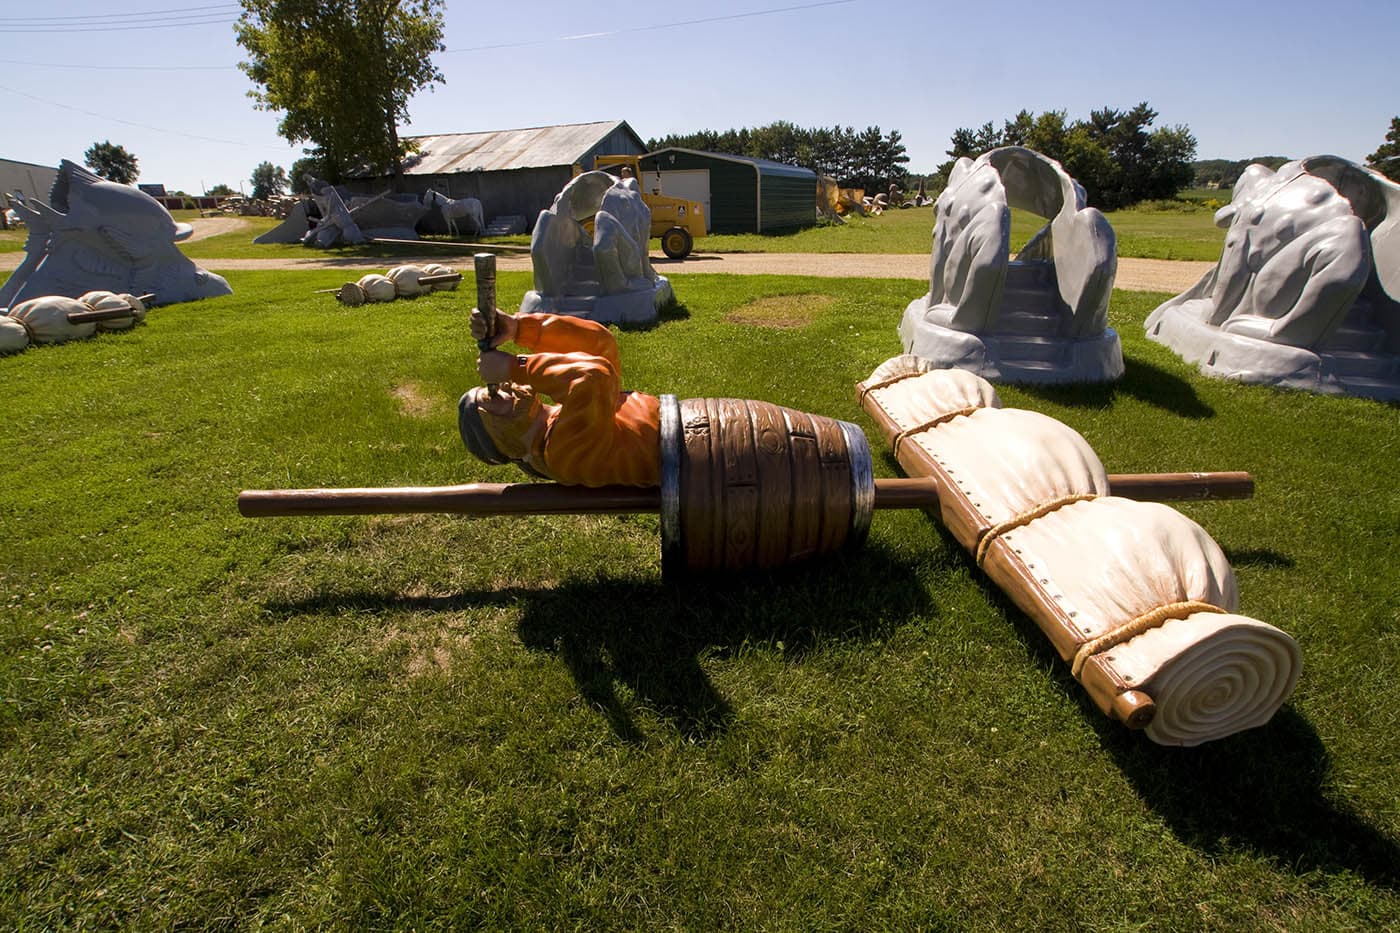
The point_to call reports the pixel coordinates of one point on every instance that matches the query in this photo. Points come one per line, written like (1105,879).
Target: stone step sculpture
(982,305)
(1307,291)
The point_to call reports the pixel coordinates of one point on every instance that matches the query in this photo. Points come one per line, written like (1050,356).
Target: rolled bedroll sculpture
(1136,596)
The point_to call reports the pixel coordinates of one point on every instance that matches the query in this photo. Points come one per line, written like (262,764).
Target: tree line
(871,158)
(1116,155)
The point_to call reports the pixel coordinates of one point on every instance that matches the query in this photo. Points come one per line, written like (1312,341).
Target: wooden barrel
(749,484)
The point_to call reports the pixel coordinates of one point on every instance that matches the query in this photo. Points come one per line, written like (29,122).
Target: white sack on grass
(378,287)
(13,336)
(47,319)
(920,399)
(1009,461)
(405,279)
(1210,675)
(434,268)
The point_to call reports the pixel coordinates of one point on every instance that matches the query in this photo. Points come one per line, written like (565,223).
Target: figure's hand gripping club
(485,264)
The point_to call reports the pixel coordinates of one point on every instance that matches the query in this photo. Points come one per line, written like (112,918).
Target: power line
(478,48)
(222,19)
(73,67)
(38,20)
(653,28)
(143,126)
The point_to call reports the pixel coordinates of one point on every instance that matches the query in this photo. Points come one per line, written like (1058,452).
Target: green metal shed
(741,194)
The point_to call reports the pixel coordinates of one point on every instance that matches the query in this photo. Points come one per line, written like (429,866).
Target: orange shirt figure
(594,434)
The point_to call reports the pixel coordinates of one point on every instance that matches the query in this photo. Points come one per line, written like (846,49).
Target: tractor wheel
(676,243)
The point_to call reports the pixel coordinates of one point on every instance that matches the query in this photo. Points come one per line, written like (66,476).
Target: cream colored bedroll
(1136,596)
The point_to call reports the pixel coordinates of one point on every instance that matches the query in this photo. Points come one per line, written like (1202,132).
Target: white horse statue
(454,210)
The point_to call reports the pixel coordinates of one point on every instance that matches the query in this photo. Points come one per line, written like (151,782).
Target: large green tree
(1386,159)
(111,162)
(341,72)
(268,180)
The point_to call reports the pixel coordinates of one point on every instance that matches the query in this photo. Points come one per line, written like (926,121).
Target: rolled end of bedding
(1210,675)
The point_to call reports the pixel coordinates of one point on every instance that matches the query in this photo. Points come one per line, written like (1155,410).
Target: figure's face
(509,416)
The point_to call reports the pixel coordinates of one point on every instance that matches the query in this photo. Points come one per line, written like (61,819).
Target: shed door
(691,184)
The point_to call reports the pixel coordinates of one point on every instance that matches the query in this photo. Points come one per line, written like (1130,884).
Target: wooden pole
(442,278)
(558,499)
(107,314)
(510,247)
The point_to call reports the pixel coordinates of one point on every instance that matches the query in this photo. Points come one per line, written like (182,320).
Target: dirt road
(1143,275)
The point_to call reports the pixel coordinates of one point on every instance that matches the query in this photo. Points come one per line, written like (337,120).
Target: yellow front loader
(677,221)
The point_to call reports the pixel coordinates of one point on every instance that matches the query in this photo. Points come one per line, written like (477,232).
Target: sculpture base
(633,307)
(290,230)
(1025,358)
(1225,355)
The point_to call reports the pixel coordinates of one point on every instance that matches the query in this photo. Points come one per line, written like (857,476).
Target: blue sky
(1290,78)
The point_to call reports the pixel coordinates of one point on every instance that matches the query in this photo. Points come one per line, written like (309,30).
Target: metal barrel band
(672,548)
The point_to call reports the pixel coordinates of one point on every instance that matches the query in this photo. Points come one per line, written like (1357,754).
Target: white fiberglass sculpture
(606,276)
(1305,293)
(96,234)
(1041,317)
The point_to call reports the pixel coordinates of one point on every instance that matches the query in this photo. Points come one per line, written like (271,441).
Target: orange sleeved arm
(598,435)
(560,333)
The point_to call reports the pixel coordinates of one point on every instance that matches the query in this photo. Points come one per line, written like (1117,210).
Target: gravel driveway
(1142,275)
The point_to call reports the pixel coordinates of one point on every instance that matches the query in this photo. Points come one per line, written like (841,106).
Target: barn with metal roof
(740,194)
(512,172)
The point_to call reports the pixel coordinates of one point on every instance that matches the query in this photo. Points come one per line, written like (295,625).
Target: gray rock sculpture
(1042,317)
(293,228)
(96,234)
(349,220)
(1305,293)
(605,277)
(337,226)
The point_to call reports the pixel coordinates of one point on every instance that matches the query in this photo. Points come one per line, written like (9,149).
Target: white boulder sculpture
(96,234)
(59,319)
(346,219)
(1305,293)
(1042,317)
(46,319)
(605,277)
(14,337)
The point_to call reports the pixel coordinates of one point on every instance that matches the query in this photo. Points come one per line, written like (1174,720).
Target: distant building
(740,194)
(512,172)
(33,181)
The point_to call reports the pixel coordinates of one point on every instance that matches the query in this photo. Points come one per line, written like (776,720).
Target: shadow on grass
(650,636)
(1141,380)
(675,311)
(1257,557)
(1261,791)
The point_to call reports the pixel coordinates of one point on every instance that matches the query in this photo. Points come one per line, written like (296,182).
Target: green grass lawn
(1142,233)
(1184,231)
(1151,234)
(426,721)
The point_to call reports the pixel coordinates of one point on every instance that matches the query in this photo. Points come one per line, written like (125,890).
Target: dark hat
(474,433)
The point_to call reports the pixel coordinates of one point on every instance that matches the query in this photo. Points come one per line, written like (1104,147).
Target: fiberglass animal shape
(606,276)
(1305,293)
(96,234)
(1041,317)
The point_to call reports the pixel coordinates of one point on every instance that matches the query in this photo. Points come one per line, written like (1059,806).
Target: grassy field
(1147,233)
(417,722)
(1181,231)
